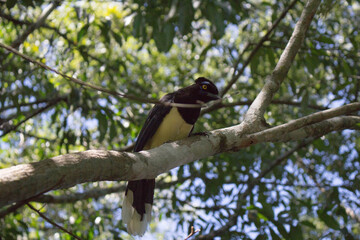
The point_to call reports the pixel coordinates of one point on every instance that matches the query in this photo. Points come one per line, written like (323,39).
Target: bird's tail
(136,209)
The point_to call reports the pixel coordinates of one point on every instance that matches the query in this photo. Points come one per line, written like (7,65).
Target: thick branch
(284,131)
(24,181)
(272,84)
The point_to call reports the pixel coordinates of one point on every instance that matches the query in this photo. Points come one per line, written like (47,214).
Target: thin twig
(192,232)
(22,203)
(101,89)
(36,136)
(249,102)
(52,222)
(233,218)
(38,111)
(310,171)
(46,12)
(24,104)
(257,47)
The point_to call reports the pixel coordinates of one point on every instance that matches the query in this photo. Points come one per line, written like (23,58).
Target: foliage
(148,48)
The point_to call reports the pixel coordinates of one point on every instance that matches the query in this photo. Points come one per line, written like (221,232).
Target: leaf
(262,216)
(255,62)
(312,62)
(113,131)
(267,209)
(330,221)
(346,68)
(28,3)
(186,16)
(296,233)
(164,37)
(326,39)
(105,27)
(71,137)
(82,32)
(216,18)
(138,25)
(271,57)
(117,38)
(103,125)
(281,229)
(308,224)
(261,237)
(10,3)
(274,236)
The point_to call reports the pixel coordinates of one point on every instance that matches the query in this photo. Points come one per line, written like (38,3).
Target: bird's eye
(204,87)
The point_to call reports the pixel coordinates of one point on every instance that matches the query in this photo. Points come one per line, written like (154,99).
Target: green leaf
(105,27)
(308,224)
(113,130)
(28,3)
(330,221)
(71,137)
(138,25)
(346,68)
(255,61)
(216,18)
(164,37)
(10,3)
(281,229)
(82,32)
(326,39)
(261,237)
(262,216)
(271,56)
(103,125)
(274,236)
(186,16)
(117,38)
(296,233)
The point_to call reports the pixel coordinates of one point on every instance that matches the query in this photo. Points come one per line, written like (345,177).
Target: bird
(164,123)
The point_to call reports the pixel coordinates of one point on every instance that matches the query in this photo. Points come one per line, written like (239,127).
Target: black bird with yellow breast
(163,124)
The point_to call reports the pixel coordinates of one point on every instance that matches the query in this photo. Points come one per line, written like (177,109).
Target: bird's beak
(211,96)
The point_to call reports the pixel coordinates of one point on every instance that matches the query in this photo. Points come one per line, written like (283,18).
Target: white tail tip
(132,218)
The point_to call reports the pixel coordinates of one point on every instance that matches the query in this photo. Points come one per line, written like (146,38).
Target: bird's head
(207,91)
(202,91)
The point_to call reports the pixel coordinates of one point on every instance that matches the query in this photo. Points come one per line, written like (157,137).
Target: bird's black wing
(153,121)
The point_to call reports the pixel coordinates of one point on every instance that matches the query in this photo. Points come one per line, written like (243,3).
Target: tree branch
(237,74)
(285,132)
(23,181)
(249,102)
(14,20)
(95,87)
(273,81)
(233,218)
(24,104)
(47,11)
(52,222)
(349,211)
(257,47)
(6,127)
